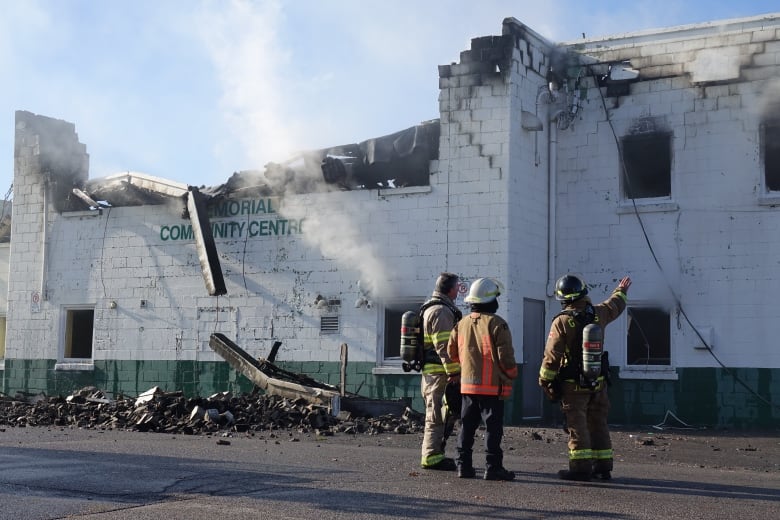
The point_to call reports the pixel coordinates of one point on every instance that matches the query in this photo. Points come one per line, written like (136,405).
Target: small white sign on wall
(35,302)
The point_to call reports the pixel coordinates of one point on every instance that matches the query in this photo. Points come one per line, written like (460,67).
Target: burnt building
(652,154)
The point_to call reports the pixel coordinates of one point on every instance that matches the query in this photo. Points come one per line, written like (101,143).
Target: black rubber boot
(445,464)
(466,472)
(566,474)
(499,474)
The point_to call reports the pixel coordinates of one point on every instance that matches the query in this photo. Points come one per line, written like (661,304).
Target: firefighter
(584,400)
(481,347)
(438,321)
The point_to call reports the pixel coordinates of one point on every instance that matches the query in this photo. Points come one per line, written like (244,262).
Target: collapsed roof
(393,161)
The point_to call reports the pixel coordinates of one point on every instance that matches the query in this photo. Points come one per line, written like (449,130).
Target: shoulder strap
(437,301)
(583,317)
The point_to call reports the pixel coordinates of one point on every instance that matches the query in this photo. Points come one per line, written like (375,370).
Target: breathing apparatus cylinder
(411,342)
(592,348)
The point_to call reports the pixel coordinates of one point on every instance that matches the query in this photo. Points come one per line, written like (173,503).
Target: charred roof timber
(50,148)
(397,160)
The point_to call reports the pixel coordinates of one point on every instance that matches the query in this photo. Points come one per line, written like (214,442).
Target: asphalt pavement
(95,474)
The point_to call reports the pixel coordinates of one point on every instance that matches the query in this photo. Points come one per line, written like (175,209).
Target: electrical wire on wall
(677,301)
(102,250)
(6,200)
(216,316)
(243,258)
(449,179)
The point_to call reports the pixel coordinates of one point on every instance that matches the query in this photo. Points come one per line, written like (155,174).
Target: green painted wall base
(701,397)
(738,398)
(131,378)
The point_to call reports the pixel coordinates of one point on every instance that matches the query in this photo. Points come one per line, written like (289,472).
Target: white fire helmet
(484,290)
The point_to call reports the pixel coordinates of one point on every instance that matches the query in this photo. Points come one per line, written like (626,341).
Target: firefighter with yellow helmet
(567,373)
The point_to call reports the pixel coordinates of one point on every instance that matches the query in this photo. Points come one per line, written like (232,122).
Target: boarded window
(772,155)
(78,333)
(648,340)
(648,162)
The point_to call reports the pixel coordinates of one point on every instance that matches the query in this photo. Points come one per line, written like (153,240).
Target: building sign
(258,218)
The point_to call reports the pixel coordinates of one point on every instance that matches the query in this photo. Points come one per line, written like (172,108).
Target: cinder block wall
(713,238)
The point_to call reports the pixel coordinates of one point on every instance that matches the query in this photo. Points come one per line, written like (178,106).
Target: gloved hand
(624,284)
(550,389)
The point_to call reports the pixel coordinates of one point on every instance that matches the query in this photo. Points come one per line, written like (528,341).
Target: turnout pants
(590,448)
(434,439)
(478,408)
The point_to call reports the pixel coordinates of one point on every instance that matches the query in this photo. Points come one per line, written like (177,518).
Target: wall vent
(329,324)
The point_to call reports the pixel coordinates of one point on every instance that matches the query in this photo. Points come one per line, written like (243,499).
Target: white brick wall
(718,250)
(485,214)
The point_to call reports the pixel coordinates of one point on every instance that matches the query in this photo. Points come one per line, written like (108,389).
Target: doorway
(533,350)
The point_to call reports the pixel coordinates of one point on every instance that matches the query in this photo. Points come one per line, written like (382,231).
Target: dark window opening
(78,333)
(648,340)
(392,335)
(648,163)
(772,155)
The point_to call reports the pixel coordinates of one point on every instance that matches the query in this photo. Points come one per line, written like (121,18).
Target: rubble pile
(171,412)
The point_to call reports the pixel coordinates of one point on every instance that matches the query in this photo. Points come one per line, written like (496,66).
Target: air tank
(592,348)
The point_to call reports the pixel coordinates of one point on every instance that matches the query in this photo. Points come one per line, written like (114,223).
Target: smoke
(258,81)
(767,103)
(338,236)
(241,39)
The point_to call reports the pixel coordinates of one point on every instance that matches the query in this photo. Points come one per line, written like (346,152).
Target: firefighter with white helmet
(483,290)
(563,376)
(481,344)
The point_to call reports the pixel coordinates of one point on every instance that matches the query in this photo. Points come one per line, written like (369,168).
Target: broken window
(2,338)
(648,341)
(392,327)
(771,140)
(79,325)
(648,165)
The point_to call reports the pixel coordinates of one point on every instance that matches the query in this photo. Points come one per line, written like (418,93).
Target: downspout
(552,175)
(44,255)
(548,95)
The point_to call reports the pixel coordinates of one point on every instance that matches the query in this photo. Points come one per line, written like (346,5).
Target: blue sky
(194,90)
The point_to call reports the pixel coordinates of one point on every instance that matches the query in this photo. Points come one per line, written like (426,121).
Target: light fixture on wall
(529,121)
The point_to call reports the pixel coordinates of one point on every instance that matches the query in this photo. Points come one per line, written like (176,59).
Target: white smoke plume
(337,236)
(242,42)
(253,71)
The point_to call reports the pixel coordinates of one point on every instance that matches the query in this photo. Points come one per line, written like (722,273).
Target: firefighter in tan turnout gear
(582,390)
(439,317)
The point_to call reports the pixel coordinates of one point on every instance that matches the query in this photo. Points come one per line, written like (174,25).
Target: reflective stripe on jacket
(438,322)
(482,344)
(563,334)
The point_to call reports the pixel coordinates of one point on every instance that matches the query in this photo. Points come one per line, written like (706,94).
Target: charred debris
(281,400)
(224,414)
